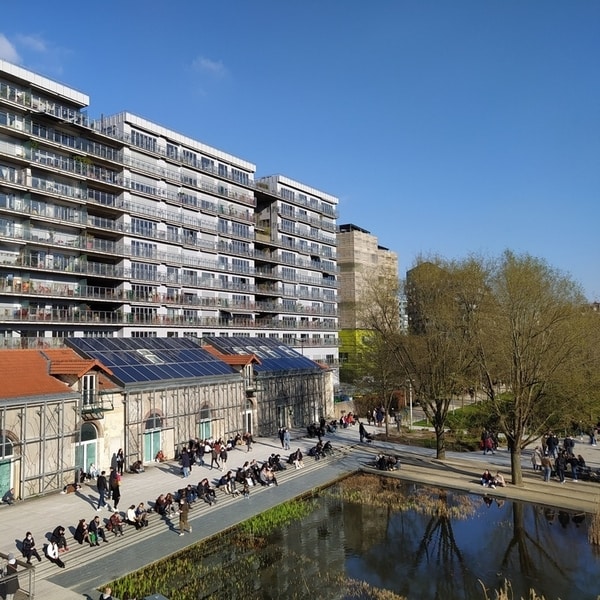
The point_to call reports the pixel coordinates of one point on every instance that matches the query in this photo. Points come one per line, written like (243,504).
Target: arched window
(154,421)
(87,433)
(6,447)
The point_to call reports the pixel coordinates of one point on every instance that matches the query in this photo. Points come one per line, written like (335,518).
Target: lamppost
(410,404)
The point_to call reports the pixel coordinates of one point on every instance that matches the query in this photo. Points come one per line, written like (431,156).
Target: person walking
(184,509)
(561,465)
(115,488)
(362,432)
(214,457)
(281,434)
(120,461)
(102,485)
(223,456)
(248,442)
(28,548)
(186,463)
(286,439)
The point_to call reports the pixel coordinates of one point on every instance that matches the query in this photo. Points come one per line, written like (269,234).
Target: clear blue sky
(444,127)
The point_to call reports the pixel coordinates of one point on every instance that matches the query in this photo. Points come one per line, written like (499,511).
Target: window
(6,447)
(240,229)
(240,265)
(189,157)
(288,273)
(240,247)
(240,176)
(143,227)
(222,170)
(288,258)
(141,140)
(143,249)
(206,164)
(172,151)
(88,389)
(144,271)
(287,194)
(189,277)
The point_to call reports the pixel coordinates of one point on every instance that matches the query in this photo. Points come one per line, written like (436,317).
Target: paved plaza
(89,568)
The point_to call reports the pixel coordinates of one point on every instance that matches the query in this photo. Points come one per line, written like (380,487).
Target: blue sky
(444,128)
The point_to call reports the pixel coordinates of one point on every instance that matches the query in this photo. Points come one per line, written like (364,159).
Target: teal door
(5,482)
(86,449)
(204,431)
(151,445)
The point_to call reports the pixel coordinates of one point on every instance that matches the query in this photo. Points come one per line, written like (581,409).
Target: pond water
(425,544)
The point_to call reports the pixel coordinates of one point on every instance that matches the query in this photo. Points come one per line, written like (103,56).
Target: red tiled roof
(233,360)
(27,373)
(35,372)
(65,361)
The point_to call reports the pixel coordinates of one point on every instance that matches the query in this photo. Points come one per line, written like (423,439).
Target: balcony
(94,405)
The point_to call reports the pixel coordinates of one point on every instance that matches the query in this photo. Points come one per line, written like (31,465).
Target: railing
(74,316)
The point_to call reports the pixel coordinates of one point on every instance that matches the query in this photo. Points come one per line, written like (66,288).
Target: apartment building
(359,257)
(119,227)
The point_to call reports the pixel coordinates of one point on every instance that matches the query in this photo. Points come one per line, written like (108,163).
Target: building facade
(119,227)
(359,257)
(63,409)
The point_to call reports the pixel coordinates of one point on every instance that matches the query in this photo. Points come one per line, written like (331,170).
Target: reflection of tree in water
(437,566)
(438,546)
(534,556)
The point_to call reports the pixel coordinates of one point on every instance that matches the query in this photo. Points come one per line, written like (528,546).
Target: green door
(151,445)
(5,483)
(86,450)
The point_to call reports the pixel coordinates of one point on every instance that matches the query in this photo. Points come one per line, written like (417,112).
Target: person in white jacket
(53,554)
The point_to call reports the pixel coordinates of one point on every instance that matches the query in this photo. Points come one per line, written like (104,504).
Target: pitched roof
(234,360)
(274,355)
(65,361)
(27,373)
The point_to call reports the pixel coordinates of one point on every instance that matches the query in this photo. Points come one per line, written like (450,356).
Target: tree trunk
(440,441)
(515,464)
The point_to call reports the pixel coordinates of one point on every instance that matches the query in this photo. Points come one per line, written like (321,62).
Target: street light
(410,405)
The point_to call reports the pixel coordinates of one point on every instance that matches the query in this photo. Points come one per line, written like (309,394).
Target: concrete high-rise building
(359,257)
(121,227)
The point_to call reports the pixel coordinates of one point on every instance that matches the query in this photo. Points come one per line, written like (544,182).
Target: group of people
(387,462)
(236,482)
(209,452)
(556,460)
(492,481)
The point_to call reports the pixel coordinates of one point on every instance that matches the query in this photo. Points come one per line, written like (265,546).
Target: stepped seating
(79,555)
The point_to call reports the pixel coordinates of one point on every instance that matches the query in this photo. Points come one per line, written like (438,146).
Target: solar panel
(274,355)
(152,359)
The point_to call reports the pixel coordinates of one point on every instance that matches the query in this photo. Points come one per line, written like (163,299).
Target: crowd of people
(554,459)
(170,506)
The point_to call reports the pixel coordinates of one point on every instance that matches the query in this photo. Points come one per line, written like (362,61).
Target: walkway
(89,568)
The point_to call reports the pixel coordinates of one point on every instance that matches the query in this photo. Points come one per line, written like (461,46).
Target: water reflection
(441,556)
(369,533)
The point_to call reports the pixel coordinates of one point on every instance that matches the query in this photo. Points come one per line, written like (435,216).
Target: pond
(371,537)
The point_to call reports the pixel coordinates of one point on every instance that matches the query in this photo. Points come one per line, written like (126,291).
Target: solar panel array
(139,360)
(274,355)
